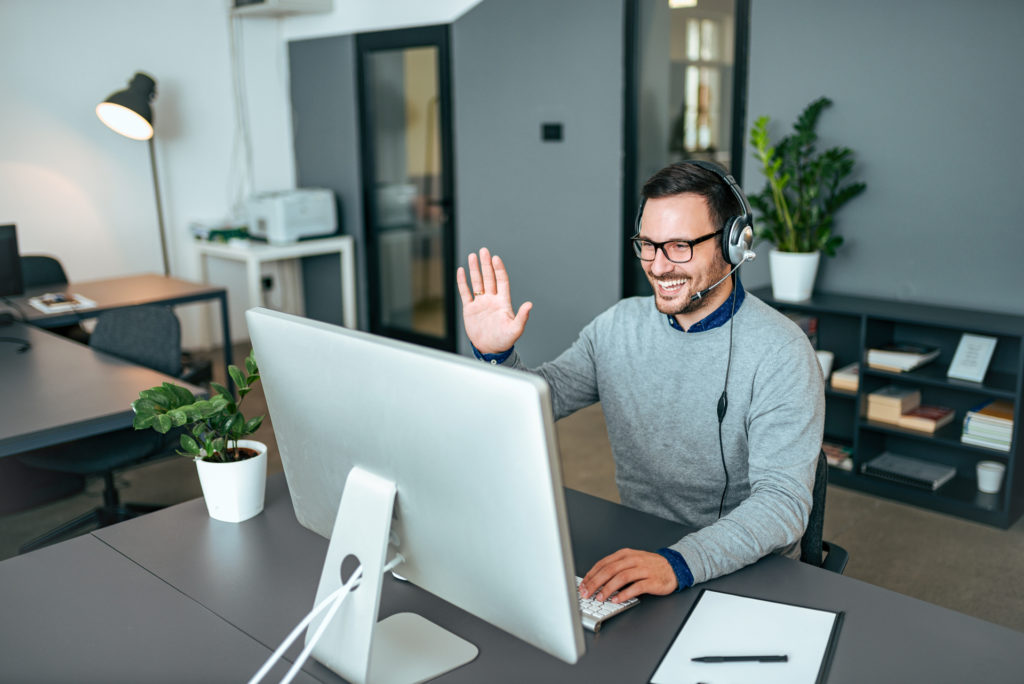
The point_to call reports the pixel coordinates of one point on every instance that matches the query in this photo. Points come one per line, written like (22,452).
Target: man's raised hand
(491,323)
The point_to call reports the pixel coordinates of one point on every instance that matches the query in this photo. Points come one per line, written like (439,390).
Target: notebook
(910,471)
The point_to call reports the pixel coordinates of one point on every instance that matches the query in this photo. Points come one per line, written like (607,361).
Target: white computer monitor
(470,452)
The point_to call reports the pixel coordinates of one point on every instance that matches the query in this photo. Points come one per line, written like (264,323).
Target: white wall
(77,190)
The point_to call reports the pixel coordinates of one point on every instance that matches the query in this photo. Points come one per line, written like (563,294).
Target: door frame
(437,36)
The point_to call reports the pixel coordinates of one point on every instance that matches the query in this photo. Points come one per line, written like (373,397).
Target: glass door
(406,154)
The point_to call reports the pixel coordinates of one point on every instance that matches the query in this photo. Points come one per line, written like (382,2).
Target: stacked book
(846,378)
(888,404)
(900,358)
(902,407)
(838,455)
(989,424)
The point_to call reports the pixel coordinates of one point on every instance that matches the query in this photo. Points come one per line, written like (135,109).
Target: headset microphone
(748,255)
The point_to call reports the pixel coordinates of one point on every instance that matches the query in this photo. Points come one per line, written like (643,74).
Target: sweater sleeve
(784,431)
(572,376)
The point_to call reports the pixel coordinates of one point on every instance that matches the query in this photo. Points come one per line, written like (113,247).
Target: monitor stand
(404,648)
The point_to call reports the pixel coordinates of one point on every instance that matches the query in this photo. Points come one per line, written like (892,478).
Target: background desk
(253,254)
(60,390)
(120,293)
(260,576)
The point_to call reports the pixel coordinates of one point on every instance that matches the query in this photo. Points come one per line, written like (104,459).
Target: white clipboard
(721,624)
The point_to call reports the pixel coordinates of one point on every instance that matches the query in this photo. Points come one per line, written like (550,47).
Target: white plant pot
(793,274)
(234,491)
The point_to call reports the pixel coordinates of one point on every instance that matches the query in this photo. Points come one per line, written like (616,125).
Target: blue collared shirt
(716,318)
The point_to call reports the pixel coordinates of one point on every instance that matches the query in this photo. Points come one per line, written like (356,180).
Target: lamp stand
(159,209)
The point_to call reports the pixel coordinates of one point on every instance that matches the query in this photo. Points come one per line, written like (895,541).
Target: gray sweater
(659,389)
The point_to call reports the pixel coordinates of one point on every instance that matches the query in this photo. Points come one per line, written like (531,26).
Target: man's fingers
(487,271)
(523,314)
(460,281)
(474,274)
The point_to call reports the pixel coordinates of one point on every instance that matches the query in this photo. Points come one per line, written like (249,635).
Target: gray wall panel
(925,93)
(326,137)
(551,210)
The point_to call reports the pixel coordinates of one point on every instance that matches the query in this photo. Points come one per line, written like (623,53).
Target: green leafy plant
(805,188)
(212,426)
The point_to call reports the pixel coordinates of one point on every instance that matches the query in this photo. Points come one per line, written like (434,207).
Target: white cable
(333,601)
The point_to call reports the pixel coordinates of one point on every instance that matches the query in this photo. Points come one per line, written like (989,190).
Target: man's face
(681,217)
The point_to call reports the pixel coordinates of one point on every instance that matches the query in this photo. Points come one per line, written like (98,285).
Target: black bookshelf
(848,326)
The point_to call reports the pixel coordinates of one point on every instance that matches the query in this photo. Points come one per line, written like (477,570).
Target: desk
(120,293)
(260,577)
(253,254)
(60,390)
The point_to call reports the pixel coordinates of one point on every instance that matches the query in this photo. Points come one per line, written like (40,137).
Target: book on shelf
(926,418)
(60,302)
(846,378)
(838,455)
(899,358)
(979,429)
(889,403)
(910,471)
(977,440)
(997,412)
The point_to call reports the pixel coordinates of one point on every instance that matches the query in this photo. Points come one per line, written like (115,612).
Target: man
(714,401)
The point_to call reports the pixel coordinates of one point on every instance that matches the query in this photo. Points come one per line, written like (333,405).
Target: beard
(682,302)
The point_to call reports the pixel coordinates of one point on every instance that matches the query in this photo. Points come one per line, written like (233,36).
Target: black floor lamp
(129,113)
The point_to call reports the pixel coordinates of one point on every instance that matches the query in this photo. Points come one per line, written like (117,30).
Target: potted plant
(798,204)
(232,470)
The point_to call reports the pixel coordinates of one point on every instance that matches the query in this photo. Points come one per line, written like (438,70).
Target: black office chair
(39,271)
(813,549)
(146,335)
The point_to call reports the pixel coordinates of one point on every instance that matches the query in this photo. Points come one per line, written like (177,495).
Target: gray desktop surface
(82,612)
(59,390)
(261,576)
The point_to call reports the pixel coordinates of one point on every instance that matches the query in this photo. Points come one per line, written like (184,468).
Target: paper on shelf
(727,624)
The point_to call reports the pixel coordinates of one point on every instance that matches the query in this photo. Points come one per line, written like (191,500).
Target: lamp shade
(128,111)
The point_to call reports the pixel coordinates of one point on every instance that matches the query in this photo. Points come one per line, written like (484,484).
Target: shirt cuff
(684,578)
(493,358)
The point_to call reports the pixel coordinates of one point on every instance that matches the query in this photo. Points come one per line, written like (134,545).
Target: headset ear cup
(737,239)
(729,235)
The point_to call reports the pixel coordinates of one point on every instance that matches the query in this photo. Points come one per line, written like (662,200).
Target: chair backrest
(147,335)
(811,542)
(37,271)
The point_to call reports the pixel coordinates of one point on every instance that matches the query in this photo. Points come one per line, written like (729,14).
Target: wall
(550,210)
(78,190)
(924,94)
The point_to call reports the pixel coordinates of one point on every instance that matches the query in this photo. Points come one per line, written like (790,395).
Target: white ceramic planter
(793,274)
(234,491)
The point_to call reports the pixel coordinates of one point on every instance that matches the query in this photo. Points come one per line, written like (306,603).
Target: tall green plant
(214,425)
(804,188)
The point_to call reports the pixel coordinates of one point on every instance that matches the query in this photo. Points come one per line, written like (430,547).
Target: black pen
(741,659)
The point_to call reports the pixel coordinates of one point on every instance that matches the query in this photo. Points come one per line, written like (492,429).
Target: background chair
(149,336)
(813,549)
(39,271)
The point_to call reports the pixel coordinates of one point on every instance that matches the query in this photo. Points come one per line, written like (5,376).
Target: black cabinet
(849,326)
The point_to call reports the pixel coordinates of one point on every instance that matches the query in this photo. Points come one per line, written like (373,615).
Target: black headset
(738,231)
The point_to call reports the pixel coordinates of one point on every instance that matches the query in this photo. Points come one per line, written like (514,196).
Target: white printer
(289,215)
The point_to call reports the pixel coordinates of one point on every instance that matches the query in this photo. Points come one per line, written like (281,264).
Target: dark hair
(683,177)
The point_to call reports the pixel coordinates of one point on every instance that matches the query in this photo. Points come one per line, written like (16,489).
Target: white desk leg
(348,286)
(252,275)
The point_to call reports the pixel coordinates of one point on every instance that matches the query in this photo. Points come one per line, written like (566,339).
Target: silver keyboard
(596,612)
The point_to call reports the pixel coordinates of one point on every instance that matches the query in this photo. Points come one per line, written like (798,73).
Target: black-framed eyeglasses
(676,251)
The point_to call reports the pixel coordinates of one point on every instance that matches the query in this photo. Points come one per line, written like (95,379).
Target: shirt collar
(716,318)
